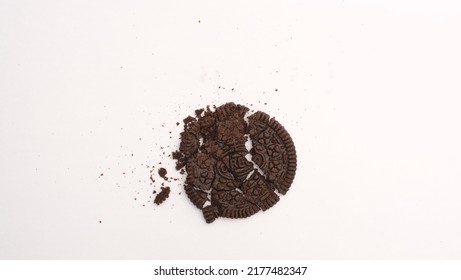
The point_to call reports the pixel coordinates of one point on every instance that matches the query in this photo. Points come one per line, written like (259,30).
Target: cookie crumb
(162,195)
(162,173)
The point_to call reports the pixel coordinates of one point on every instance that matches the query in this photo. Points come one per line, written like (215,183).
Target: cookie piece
(273,150)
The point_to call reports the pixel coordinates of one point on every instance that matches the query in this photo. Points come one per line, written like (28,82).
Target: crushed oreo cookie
(224,178)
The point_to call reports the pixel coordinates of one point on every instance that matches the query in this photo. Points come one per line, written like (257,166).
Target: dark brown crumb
(162,172)
(177,123)
(180,159)
(162,195)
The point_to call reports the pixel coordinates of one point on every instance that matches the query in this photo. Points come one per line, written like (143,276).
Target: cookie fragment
(162,195)
(210,213)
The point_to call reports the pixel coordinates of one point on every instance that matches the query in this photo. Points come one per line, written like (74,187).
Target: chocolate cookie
(224,179)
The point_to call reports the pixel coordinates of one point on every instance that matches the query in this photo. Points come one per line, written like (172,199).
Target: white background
(369,91)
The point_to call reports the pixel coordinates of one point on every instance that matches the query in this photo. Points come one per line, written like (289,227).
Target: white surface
(370,93)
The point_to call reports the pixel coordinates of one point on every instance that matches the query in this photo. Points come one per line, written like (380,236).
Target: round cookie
(224,179)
